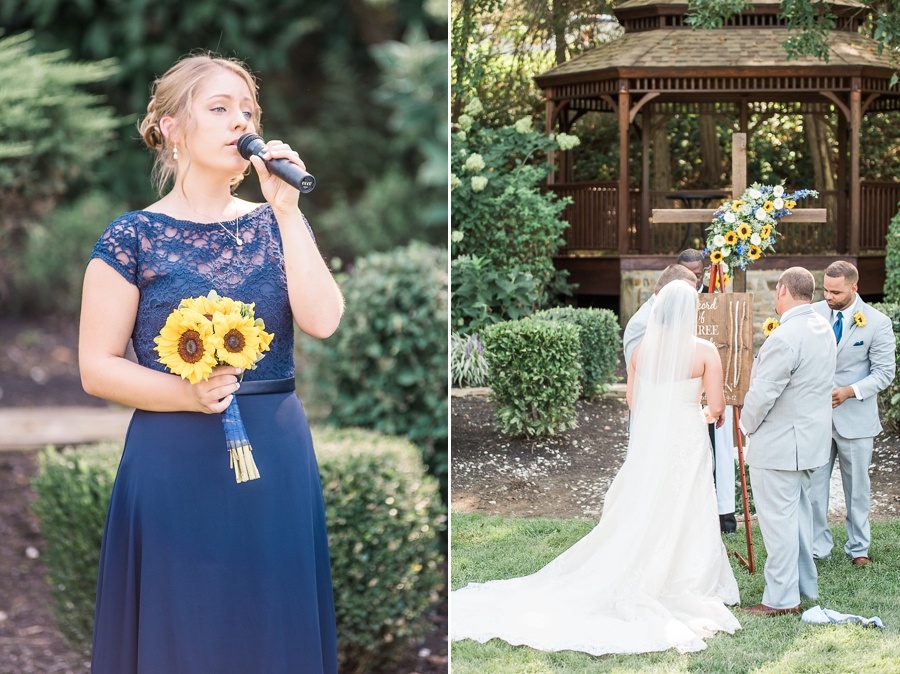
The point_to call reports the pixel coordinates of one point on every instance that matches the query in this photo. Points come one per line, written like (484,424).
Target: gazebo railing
(593,225)
(878,204)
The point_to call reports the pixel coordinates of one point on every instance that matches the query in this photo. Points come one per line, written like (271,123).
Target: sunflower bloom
(731,238)
(859,319)
(790,204)
(766,230)
(769,326)
(744,231)
(236,339)
(184,345)
(736,205)
(203,305)
(754,252)
(716,256)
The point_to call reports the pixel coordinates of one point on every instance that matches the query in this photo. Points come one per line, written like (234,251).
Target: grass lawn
(486,548)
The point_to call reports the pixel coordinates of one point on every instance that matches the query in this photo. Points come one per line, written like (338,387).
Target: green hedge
(384,517)
(386,366)
(889,398)
(892,261)
(535,375)
(600,340)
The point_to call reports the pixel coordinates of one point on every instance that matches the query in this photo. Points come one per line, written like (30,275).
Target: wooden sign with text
(726,320)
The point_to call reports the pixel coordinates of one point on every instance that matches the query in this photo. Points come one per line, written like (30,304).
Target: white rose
(778,192)
(755,240)
(760,212)
(465,122)
(753,193)
(778,203)
(746,209)
(726,252)
(723,267)
(475,162)
(718,240)
(729,218)
(479,183)
(523,125)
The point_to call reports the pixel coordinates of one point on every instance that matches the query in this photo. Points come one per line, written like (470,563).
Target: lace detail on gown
(169,260)
(652,575)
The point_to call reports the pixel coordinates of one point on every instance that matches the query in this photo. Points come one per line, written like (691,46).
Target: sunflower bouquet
(204,332)
(743,229)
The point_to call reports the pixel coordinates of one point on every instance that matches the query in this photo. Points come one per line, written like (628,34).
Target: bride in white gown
(653,574)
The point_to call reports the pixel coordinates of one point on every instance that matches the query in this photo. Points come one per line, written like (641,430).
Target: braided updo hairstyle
(172,95)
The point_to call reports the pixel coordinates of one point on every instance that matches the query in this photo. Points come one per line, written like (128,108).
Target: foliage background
(357,87)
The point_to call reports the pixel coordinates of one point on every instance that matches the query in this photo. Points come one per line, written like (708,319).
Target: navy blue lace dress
(199,574)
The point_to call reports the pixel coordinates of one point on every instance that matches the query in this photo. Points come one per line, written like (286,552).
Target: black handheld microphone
(251,144)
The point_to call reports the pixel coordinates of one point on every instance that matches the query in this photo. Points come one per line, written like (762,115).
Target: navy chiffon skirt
(201,575)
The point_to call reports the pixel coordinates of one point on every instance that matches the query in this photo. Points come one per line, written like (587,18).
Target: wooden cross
(738,185)
(739,282)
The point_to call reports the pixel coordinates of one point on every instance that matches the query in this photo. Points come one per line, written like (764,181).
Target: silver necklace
(237,228)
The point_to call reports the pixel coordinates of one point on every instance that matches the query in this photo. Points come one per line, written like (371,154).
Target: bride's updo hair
(172,95)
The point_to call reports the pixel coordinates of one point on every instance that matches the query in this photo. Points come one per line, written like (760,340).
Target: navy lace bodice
(169,260)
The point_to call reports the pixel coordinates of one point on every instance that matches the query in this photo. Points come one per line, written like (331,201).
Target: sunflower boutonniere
(769,326)
(859,319)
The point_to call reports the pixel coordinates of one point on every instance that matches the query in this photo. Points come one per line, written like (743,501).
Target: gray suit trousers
(785,519)
(855,455)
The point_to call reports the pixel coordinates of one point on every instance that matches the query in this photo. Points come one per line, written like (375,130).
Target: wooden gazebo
(662,66)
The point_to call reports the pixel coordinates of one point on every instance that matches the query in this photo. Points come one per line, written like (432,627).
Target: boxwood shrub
(535,375)
(599,343)
(386,367)
(889,398)
(384,518)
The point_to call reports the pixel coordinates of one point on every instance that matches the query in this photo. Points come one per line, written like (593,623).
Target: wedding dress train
(652,575)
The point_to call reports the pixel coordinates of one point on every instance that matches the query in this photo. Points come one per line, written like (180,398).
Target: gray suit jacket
(865,357)
(787,411)
(636,329)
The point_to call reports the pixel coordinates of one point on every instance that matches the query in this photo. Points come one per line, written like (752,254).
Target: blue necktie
(839,327)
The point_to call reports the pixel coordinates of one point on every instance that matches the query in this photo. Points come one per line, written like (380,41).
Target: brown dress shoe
(762,609)
(862,561)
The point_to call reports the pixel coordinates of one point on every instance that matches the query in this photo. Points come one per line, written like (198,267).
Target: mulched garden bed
(568,475)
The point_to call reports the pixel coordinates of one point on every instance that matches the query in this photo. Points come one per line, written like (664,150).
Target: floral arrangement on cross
(742,230)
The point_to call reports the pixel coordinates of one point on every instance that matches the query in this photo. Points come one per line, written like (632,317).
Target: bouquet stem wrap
(239,450)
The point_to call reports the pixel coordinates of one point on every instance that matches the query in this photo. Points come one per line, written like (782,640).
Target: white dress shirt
(847,320)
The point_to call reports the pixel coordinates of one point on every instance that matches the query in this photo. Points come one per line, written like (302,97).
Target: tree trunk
(710,159)
(662,160)
(816,135)
(560,12)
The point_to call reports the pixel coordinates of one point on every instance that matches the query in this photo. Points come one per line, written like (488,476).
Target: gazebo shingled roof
(661,60)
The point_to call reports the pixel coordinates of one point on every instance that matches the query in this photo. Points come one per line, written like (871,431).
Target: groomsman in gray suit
(787,414)
(866,361)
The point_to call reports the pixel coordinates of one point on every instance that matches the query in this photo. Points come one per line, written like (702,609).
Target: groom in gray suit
(787,414)
(866,362)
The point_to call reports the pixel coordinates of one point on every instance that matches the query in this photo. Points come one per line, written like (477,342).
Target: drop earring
(175,153)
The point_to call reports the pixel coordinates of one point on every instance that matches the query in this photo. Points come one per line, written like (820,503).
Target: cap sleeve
(118,248)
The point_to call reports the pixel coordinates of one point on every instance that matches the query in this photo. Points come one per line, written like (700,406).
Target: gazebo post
(841,182)
(745,118)
(645,180)
(855,119)
(623,210)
